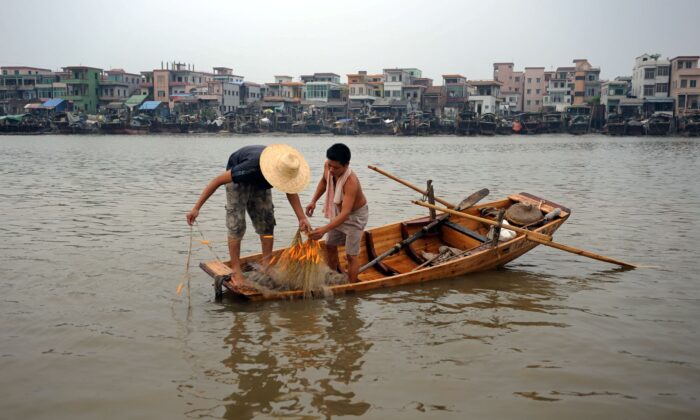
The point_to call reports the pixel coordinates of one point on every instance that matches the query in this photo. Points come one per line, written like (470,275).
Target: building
(250,94)
(176,83)
(321,87)
(613,93)
(685,83)
(485,96)
(560,89)
(394,81)
(82,87)
(22,85)
(586,83)
(116,86)
(361,91)
(534,89)
(434,100)
(512,83)
(226,86)
(321,77)
(456,92)
(650,83)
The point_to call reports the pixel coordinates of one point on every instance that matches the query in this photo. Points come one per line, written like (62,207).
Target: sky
(260,39)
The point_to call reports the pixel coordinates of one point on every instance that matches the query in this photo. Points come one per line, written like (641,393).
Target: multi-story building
(250,93)
(559,89)
(361,90)
(586,82)
(321,87)
(394,81)
(512,83)
(116,86)
(613,93)
(226,86)
(21,85)
(650,81)
(82,87)
(456,92)
(685,83)
(534,88)
(485,96)
(434,100)
(177,82)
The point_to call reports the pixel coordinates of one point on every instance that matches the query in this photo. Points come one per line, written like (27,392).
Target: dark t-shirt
(244,165)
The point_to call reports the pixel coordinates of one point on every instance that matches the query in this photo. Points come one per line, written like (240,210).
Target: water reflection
(296,358)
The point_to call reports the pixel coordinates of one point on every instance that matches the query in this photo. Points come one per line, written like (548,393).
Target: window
(529,80)
(680,65)
(517,89)
(693,83)
(517,78)
(648,90)
(528,102)
(538,80)
(684,83)
(662,71)
(529,91)
(537,91)
(649,73)
(661,88)
(688,64)
(681,101)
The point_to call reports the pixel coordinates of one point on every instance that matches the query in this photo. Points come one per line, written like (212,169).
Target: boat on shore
(465,236)
(659,124)
(487,124)
(467,123)
(615,125)
(689,125)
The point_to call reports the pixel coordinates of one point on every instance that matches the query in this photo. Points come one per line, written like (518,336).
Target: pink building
(685,83)
(512,86)
(535,89)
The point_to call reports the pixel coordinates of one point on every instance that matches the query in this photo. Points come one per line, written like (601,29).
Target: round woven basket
(523,214)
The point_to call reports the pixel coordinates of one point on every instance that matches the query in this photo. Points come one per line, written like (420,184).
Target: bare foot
(237,278)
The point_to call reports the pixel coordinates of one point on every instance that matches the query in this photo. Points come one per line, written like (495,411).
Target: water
(93,245)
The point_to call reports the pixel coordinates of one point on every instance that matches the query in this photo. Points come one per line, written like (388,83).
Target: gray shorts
(350,232)
(242,197)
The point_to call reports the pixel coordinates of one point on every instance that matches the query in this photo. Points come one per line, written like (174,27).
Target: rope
(186,275)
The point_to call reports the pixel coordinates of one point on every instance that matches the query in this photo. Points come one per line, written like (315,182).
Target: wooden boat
(659,124)
(487,124)
(404,267)
(615,125)
(467,123)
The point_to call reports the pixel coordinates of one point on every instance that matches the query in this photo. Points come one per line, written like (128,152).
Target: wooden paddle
(532,236)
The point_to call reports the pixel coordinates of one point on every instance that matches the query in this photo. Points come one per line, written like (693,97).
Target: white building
(650,76)
(485,96)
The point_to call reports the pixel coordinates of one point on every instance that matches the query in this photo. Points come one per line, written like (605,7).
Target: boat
(615,126)
(552,123)
(634,127)
(689,125)
(344,127)
(658,124)
(465,236)
(530,123)
(487,124)
(467,123)
(578,119)
(504,126)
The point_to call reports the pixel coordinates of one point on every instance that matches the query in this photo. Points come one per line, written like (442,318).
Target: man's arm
(320,190)
(349,195)
(223,178)
(295,202)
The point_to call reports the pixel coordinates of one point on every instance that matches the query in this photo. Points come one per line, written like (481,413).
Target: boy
(346,207)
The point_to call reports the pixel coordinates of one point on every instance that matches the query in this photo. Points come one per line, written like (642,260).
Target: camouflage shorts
(242,197)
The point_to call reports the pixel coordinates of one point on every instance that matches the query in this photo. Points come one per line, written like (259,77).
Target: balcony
(75,81)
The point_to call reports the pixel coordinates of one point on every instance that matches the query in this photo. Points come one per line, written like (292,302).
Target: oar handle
(409,185)
(533,236)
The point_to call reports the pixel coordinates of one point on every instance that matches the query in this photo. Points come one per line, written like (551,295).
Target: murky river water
(93,244)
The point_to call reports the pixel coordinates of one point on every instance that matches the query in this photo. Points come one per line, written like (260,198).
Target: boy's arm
(295,202)
(349,195)
(320,190)
(223,178)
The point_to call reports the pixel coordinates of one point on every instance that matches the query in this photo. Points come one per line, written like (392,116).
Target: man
(346,207)
(250,174)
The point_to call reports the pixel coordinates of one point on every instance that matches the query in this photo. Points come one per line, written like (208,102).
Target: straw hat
(285,168)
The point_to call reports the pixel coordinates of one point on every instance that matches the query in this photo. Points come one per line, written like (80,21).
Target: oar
(409,185)
(532,236)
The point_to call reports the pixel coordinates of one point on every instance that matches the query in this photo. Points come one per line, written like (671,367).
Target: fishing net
(301,266)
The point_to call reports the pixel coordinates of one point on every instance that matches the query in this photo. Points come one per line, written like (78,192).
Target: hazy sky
(259,39)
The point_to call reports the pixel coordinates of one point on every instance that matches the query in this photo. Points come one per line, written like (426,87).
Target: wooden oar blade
(473,199)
